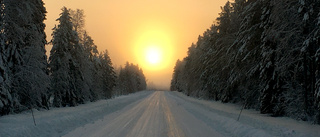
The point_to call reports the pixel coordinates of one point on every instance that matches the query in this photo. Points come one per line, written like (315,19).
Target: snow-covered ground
(59,121)
(153,114)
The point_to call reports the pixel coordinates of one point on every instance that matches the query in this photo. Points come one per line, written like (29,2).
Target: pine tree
(108,74)
(263,53)
(245,52)
(316,40)
(131,79)
(63,67)
(23,55)
(174,86)
(309,11)
(97,87)
(31,81)
(281,44)
(12,41)
(6,100)
(89,70)
(224,20)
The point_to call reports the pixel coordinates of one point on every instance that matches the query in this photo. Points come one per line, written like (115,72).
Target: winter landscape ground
(150,113)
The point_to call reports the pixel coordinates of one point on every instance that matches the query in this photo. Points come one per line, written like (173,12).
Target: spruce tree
(263,53)
(24,79)
(64,70)
(31,80)
(6,100)
(131,79)
(12,41)
(108,74)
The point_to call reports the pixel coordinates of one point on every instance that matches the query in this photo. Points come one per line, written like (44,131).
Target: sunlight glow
(153,48)
(153,55)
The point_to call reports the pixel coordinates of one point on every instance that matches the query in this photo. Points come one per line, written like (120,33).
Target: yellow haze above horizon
(128,29)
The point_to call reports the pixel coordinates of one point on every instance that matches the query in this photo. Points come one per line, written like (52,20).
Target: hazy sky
(125,27)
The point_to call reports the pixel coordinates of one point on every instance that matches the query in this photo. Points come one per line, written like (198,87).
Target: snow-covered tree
(4,93)
(64,70)
(6,99)
(263,53)
(86,75)
(310,11)
(315,36)
(174,86)
(23,55)
(224,20)
(131,79)
(31,80)
(12,40)
(108,74)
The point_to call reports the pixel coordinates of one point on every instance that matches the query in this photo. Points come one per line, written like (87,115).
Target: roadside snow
(59,121)
(154,114)
(252,123)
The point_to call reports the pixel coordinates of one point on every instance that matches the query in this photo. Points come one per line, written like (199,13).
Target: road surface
(172,114)
(153,114)
(158,115)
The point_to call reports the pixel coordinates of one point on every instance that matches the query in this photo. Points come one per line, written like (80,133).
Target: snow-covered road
(153,114)
(172,114)
(151,117)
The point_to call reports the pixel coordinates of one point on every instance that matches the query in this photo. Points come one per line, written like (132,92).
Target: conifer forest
(263,54)
(74,73)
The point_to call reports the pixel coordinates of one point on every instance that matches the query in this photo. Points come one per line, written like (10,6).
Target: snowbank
(171,111)
(59,121)
(223,117)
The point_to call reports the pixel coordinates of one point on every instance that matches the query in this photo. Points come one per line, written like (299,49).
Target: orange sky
(120,25)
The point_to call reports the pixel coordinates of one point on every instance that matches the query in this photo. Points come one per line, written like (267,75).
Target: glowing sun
(153,55)
(153,49)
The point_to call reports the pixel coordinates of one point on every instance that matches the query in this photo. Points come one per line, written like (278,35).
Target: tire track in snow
(152,121)
(174,130)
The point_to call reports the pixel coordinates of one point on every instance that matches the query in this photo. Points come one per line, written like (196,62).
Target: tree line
(75,73)
(130,79)
(263,54)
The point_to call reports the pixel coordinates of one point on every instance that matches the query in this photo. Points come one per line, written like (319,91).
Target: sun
(153,55)
(153,49)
